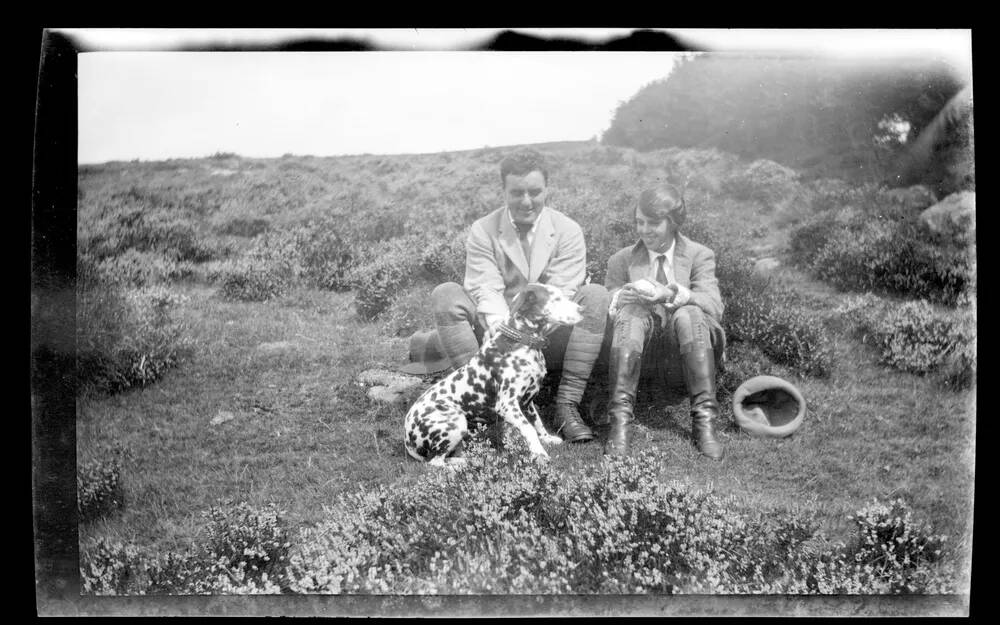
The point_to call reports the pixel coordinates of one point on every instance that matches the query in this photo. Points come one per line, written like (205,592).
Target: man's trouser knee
(455,318)
(582,343)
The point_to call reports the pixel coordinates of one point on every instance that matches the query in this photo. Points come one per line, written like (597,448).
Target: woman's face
(656,234)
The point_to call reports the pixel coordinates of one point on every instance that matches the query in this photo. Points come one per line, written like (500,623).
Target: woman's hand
(647,293)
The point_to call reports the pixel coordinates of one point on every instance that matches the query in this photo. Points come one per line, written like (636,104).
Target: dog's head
(544,306)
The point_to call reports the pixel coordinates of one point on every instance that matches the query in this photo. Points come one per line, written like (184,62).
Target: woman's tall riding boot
(699,374)
(624,369)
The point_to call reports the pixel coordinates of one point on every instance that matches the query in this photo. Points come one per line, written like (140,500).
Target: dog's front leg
(508,408)
(536,420)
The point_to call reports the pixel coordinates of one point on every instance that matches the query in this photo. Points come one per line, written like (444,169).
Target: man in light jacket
(522,242)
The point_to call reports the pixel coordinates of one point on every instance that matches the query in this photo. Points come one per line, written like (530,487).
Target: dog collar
(531,340)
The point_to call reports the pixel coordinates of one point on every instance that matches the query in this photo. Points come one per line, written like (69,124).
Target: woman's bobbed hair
(661,202)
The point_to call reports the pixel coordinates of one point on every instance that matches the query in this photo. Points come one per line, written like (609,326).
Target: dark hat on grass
(427,355)
(768,406)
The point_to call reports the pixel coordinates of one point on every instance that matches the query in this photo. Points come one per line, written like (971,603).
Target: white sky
(157,103)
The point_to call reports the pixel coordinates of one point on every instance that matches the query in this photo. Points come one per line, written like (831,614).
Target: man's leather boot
(571,425)
(624,367)
(699,374)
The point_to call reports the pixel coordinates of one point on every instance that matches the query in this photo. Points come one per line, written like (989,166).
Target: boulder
(957,212)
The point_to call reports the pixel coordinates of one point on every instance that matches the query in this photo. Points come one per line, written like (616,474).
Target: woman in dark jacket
(664,300)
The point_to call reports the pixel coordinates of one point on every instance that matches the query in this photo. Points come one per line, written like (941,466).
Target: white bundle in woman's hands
(644,287)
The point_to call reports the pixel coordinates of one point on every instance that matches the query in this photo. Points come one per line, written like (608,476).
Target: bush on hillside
(126,338)
(505,525)
(917,337)
(251,542)
(881,246)
(764,183)
(245,227)
(133,268)
(760,313)
(139,228)
(98,485)
(267,270)
(401,262)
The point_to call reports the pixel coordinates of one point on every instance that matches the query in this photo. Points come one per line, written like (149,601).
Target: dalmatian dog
(499,382)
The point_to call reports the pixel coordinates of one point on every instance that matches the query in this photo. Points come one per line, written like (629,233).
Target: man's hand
(490,323)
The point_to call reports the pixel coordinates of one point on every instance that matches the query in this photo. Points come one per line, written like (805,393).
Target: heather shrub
(244,226)
(504,525)
(917,337)
(401,262)
(140,227)
(98,485)
(127,338)
(326,254)
(134,268)
(896,553)
(760,313)
(882,246)
(250,543)
(763,182)
(267,270)
(115,568)
(242,551)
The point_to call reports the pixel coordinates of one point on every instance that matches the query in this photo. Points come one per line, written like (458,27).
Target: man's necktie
(661,274)
(522,234)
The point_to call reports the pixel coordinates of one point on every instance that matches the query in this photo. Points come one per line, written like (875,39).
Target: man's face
(525,196)
(657,234)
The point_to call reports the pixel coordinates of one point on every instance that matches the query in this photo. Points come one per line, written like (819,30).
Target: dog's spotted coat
(499,382)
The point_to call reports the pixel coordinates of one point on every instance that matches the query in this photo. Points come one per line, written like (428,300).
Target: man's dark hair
(522,163)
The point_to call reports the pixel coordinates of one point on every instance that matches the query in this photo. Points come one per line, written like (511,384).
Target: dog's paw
(541,459)
(551,439)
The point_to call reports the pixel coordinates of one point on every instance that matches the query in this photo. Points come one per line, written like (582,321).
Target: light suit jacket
(496,268)
(694,268)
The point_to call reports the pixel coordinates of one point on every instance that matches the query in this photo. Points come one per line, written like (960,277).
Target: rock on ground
(958,210)
(222,417)
(386,386)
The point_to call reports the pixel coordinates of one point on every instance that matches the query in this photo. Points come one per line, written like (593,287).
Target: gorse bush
(98,486)
(917,337)
(127,337)
(881,245)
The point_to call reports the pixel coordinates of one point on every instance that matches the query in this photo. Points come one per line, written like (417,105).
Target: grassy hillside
(301,431)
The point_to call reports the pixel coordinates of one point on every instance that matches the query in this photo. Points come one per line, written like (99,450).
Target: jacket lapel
(511,244)
(682,262)
(541,247)
(638,264)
